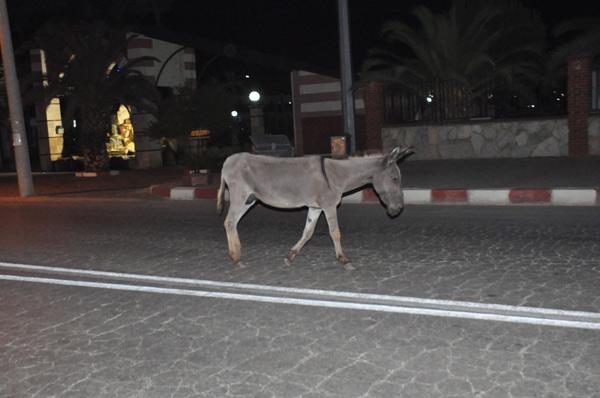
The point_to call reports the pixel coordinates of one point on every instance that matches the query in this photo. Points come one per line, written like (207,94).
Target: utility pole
(19,135)
(346,73)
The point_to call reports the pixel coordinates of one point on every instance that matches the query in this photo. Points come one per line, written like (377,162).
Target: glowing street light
(254,96)
(234,113)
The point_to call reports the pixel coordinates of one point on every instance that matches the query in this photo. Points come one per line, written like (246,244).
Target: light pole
(19,135)
(346,73)
(257,123)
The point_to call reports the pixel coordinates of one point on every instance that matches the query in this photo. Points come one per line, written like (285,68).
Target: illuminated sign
(200,133)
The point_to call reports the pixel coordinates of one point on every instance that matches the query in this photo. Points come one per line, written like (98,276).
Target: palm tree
(87,67)
(477,44)
(579,36)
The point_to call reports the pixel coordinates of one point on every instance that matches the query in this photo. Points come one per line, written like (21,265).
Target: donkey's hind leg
(238,206)
(309,229)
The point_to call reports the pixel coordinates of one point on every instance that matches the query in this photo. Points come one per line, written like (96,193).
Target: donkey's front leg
(334,232)
(309,229)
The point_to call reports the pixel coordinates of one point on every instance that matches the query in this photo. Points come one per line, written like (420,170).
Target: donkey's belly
(292,191)
(284,201)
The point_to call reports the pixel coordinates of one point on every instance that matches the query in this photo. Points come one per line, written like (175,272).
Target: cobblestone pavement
(534,256)
(74,342)
(58,341)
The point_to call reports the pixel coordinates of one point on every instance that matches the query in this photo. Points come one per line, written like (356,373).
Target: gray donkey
(315,182)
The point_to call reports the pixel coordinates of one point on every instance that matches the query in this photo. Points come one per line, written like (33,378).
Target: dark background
(304,33)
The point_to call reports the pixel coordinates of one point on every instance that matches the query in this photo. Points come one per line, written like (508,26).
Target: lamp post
(16,107)
(346,73)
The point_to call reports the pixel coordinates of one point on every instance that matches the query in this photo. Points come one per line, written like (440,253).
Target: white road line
(314,297)
(311,303)
(396,300)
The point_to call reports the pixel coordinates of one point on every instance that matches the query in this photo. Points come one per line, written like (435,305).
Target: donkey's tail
(220,196)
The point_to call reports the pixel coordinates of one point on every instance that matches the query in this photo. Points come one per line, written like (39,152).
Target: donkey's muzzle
(395,211)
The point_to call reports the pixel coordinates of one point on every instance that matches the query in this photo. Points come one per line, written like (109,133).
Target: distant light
(234,113)
(254,96)
(74,123)
(110,68)
(61,75)
(558,99)
(290,102)
(429,99)
(247,76)
(531,106)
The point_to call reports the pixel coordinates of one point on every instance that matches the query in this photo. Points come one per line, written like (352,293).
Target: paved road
(83,341)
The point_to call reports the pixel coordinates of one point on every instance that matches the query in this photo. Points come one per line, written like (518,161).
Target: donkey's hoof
(290,258)
(240,265)
(343,259)
(348,266)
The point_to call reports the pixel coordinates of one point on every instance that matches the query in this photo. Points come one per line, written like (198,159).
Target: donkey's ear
(399,154)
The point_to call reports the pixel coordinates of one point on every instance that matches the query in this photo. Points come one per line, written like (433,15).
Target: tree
(208,107)
(87,67)
(478,44)
(579,36)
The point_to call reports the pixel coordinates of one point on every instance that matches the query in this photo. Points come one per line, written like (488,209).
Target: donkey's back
(279,182)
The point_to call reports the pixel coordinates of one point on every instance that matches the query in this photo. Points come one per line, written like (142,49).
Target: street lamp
(254,96)
(234,113)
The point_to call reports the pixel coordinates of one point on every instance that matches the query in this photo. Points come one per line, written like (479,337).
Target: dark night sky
(304,30)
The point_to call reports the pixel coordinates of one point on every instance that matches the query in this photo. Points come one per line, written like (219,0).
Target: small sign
(17,141)
(200,134)
(338,147)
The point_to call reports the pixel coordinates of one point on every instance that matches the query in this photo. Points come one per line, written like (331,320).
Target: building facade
(174,67)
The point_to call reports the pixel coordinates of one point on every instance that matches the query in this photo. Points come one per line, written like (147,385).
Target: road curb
(97,173)
(418,196)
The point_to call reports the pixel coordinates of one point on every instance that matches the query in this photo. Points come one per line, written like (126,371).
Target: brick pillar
(374,111)
(579,90)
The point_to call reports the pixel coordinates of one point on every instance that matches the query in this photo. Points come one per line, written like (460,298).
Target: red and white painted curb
(184,193)
(417,196)
(489,197)
(97,173)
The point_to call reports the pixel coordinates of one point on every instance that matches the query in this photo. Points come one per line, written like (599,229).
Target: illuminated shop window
(121,142)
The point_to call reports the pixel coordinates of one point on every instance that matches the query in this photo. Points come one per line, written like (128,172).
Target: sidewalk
(127,184)
(552,181)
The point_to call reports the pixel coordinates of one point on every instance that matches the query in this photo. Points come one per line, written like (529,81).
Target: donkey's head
(388,180)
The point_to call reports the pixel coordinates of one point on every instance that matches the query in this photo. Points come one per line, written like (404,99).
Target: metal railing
(447,101)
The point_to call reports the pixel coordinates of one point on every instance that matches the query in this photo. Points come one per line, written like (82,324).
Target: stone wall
(489,139)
